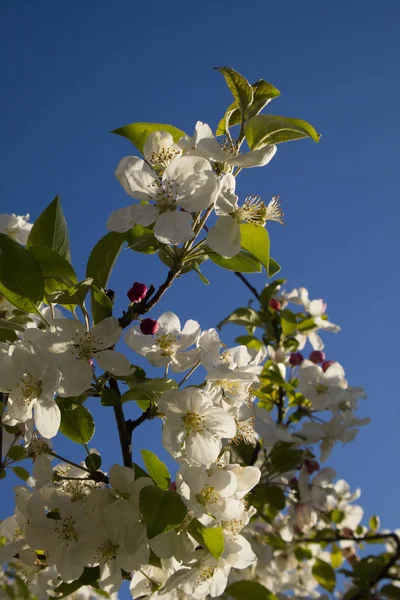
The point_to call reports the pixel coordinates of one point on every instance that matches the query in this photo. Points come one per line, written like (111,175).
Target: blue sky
(71,72)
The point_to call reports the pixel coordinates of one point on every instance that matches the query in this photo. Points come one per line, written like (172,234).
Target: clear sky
(71,72)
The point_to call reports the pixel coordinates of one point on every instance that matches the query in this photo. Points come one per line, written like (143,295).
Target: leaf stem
(188,374)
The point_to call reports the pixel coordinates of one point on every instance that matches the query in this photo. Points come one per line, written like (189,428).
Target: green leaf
(240,88)
(337,516)
(75,295)
(143,392)
(161,510)
(246,590)
(156,469)
(100,264)
(50,230)
(250,341)
(137,133)
(16,453)
(285,457)
(306,324)
(374,523)
(288,321)
(77,424)
(231,117)
(89,576)
(8,335)
(274,496)
(93,461)
(68,401)
(139,472)
(142,239)
(273,129)
(273,267)
(269,291)
(6,324)
(336,556)
(256,241)
(211,538)
(302,553)
(57,272)
(21,473)
(242,316)
(242,262)
(391,591)
(264,92)
(21,280)
(324,574)
(110,397)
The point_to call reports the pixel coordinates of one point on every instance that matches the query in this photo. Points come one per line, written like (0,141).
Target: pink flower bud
(317,356)
(275,304)
(172,487)
(137,292)
(326,364)
(149,326)
(311,466)
(296,358)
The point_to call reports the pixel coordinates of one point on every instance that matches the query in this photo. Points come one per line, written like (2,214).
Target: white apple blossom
(31,385)
(324,389)
(72,348)
(194,427)
(160,149)
(204,143)
(188,182)
(224,237)
(169,344)
(16,227)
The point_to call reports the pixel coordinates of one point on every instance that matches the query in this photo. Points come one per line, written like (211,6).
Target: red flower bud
(137,292)
(325,365)
(293,482)
(311,466)
(296,358)
(149,326)
(317,356)
(275,304)
(172,487)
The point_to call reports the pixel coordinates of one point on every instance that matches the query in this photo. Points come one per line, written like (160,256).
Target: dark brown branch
(148,414)
(248,284)
(123,432)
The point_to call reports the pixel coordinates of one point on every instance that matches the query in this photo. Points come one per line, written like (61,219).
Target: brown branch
(148,414)
(248,284)
(125,437)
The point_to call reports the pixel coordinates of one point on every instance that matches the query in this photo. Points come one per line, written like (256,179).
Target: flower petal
(174,227)
(113,362)
(136,177)
(47,418)
(224,237)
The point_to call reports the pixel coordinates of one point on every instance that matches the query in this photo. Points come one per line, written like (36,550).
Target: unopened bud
(149,326)
(275,304)
(296,358)
(311,466)
(293,482)
(137,292)
(347,532)
(317,356)
(326,364)
(172,487)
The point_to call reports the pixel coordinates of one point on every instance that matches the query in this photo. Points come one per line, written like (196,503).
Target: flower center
(193,422)
(164,195)
(228,385)
(65,530)
(205,574)
(29,388)
(253,211)
(164,342)
(107,552)
(321,388)
(12,231)
(207,496)
(85,346)
(163,157)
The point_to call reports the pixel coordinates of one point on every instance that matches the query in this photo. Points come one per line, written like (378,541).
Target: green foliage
(7,335)
(93,461)
(246,590)
(256,241)
(144,392)
(242,262)
(21,473)
(242,316)
(391,591)
(162,510)
(89,577)
(324,574)
(77,424)
(100,264)
(73,296)
(142,239)
(156,469)
(240,88)
(288,321)
(302,553)
(21,279)
(137,133)
(50,230)
(211,538)
(273,267)
(57,272)
(16,453)
(273,129)
(374,523)
(285,457)
(336,556)
(110,397)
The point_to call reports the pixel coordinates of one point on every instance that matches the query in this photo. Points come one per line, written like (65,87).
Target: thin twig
(188,374)
(123,432)
(248,284)
(148,414)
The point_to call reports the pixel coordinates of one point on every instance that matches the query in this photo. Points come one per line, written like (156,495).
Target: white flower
(160,149)
(205,144)
(315,308)
(188,182)
(225,237)
(169,345)
(73,348)
(320,492)
(194,427)
(31,384)
(16,227)
(323,389)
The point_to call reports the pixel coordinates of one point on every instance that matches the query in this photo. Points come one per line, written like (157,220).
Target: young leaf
(93,461)
(336,556)
(211,538)
(21,279)
(242,262)
(137,133)
(57,272)
(7,335)
(240,88)
(264,92)
(256,241)
(100,264)
(21,473)
(247,317)
(273,267)
(161,510)
(288,321)
(50,229)
(77,424)
(156,469)
(273,129)
(246,590)
(324,574)
(142,239)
